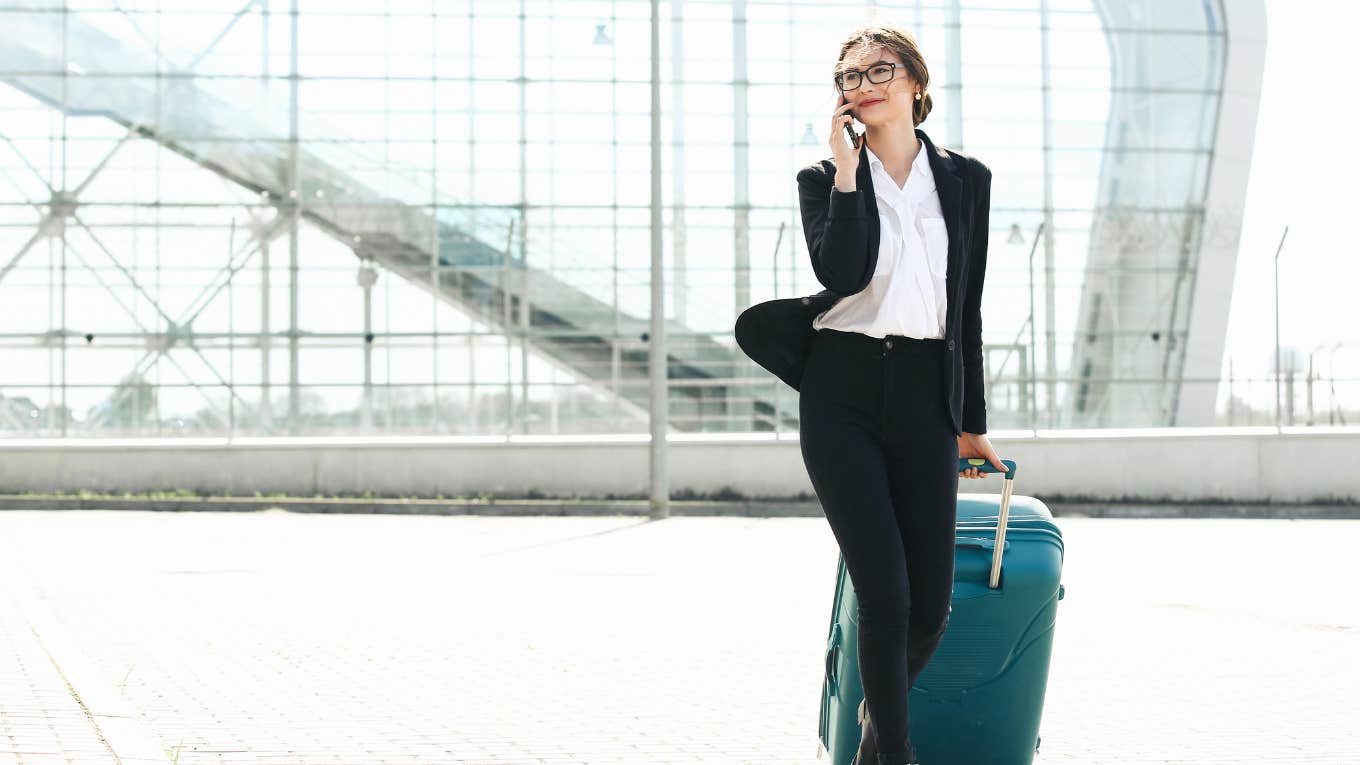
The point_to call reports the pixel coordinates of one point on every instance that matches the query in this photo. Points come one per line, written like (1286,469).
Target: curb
(560,507)
(507,507)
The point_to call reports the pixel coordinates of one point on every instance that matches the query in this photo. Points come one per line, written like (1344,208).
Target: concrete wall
(1165,464)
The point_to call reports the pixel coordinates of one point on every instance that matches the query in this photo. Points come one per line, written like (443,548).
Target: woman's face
(880,103)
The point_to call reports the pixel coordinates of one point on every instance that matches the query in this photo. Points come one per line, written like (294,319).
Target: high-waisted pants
(882,455)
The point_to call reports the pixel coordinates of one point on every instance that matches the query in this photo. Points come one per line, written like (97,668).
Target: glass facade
(266,217)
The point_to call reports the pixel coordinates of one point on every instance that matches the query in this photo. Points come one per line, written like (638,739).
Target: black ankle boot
(868,753)
(868,746)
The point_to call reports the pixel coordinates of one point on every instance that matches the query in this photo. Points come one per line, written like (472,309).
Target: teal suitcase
(980,698)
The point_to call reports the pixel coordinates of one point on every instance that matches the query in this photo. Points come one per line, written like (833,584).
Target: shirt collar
(921,163)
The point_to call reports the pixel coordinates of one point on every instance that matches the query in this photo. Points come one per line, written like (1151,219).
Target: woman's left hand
(977,445)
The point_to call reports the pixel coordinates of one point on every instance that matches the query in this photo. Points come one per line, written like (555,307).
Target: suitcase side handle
(984,466)
(833,646)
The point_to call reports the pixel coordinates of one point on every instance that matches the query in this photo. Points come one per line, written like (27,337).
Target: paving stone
(311,638)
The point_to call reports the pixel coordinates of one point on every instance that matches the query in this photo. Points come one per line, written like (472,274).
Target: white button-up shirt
(906,295)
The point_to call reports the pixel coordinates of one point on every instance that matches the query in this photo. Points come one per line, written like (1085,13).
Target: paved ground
(130,637)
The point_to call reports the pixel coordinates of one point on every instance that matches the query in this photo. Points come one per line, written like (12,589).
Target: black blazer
(842,238)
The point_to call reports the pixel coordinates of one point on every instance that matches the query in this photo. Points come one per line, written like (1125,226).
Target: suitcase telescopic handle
(984,466)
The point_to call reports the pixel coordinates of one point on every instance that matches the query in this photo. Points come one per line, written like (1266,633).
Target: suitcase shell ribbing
(980,698)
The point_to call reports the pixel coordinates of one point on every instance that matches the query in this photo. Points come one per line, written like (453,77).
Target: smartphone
(849,130)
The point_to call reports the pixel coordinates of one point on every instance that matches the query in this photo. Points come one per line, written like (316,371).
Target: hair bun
(921,109)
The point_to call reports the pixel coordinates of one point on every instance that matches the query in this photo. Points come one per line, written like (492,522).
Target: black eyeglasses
(877,74)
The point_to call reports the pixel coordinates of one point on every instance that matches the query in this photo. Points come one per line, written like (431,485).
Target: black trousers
(880,449)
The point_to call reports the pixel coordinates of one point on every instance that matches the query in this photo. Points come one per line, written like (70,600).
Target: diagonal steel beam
(63,205)
(219,281)
(235,18)
(252,246)
(24,158)
(164,63)
(170,322)
(14,261)
(74,194)
(146,330)
(60,202)
(149,359)
(123,270)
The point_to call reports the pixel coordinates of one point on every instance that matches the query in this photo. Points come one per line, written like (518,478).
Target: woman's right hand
(846,155)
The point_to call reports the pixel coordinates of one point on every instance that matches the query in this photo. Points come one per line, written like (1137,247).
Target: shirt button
(887,343)
(951,345)
(806,301)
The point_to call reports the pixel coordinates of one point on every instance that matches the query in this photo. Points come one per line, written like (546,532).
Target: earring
(918,95)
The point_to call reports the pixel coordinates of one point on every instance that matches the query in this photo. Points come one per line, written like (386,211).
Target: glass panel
(443,224)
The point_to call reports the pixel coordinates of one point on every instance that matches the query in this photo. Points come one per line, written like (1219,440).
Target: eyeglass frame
(864,75)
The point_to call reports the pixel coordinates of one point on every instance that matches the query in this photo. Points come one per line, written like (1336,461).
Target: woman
(888,362)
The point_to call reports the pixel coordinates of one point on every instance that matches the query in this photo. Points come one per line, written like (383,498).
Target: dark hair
(901,42)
